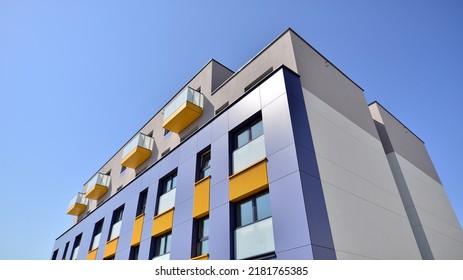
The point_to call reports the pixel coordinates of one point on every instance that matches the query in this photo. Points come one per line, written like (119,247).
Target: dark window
(166,132)
(123,168)
(253,209)
(142,202)
(204,164)
(55,254)
(248,133)
(169,183)
(202,238)
(75,247)
(108,173)
(65,250)
(134,252)
(160,245)
(96,235)
(116,222)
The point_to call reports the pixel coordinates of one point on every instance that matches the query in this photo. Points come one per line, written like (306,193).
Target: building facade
(283,159)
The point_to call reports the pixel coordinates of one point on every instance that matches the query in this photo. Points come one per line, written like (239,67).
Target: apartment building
(282,159)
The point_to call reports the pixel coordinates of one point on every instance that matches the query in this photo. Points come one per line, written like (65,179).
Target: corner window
(116,222)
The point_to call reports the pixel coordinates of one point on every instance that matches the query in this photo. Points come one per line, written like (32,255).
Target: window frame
(255,214)
(134,252)
(201,169)
(75,246)
(157,243)
(97,229)
(118,215)
(169,178)
(201,237)
(247,128)
(141,205)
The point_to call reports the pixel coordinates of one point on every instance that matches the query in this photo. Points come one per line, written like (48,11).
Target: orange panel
(111,247)
(163,223)
(92,254)
(248,181)
(201,198)
(137,230)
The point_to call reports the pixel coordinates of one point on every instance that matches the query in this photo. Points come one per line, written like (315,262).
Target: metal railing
(187,95)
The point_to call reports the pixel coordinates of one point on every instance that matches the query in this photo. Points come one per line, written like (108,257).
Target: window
(123,168)
(202,237)
(96,235)
(55,254)
(167,192)
(134,252)
(160,246)
(65,250)
(204,164)
(248,145)
(75,247)
(253,236)
(116,222)
(142,202)
(253,210)
(249,133)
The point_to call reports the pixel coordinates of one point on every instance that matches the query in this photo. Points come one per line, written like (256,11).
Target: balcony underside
(96,192)
(136,157)
(77,209)
(182,117)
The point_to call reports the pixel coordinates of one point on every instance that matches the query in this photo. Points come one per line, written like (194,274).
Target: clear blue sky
(79,78)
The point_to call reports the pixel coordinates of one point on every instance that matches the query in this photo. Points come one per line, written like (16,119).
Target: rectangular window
(116,223)
(202,237)
(254,227)
(65,250)
(55,255)
(167,192)
(142,202)
(134,252)
(204,164)
(96,235)
(160,246)
(123,168)
(248,145)
(75,247)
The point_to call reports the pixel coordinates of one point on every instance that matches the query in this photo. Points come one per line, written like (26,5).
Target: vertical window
(167,193)
(75,247)
(142,202)
(55,255)
(134,252)
(248,145)
(123,168)
(116,222)
(252,210)
(202,238)
(96,235)
(160,246)
(65,250)
(204,164)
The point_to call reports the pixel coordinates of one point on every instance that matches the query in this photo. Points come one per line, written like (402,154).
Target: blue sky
(79,78)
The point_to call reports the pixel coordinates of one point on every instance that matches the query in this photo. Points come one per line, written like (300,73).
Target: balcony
(77,205)
(183,110)
(166,201)
(97,186)
(249,154)
(254,239)
(137,151)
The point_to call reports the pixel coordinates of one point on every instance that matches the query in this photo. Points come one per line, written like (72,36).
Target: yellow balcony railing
(183,110)
(97,186)
(137,151)
(77,205)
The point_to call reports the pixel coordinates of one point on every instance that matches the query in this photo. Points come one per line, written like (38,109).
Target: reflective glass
(242,138)
(257,130)
(245,214)
(263,207)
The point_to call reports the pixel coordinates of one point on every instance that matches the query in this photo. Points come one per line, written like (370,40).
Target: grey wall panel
(273,88)
(220,126)
(219,163)
(181,241)
(183,211)
(219,233)
(185,180)
(282,163)
(300,253)
(219,194)
(248,106)
(204,137)
(188,149)
(169,163)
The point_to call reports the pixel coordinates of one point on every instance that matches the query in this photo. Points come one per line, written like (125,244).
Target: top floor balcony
(137,151)
(183,110)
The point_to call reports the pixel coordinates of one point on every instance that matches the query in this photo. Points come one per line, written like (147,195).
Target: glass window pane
(205,227)
(257,130)
(174,182)
(205,247)
(263,206)
(245,216)
(242,138)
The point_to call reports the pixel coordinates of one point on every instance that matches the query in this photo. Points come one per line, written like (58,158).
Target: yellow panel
(201,198)
(111,247)
(182,117)
(96,192)
(163,223)
(248,181)
(136,157)
(77,209)
(137,229)
(92,254)
(201,258)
